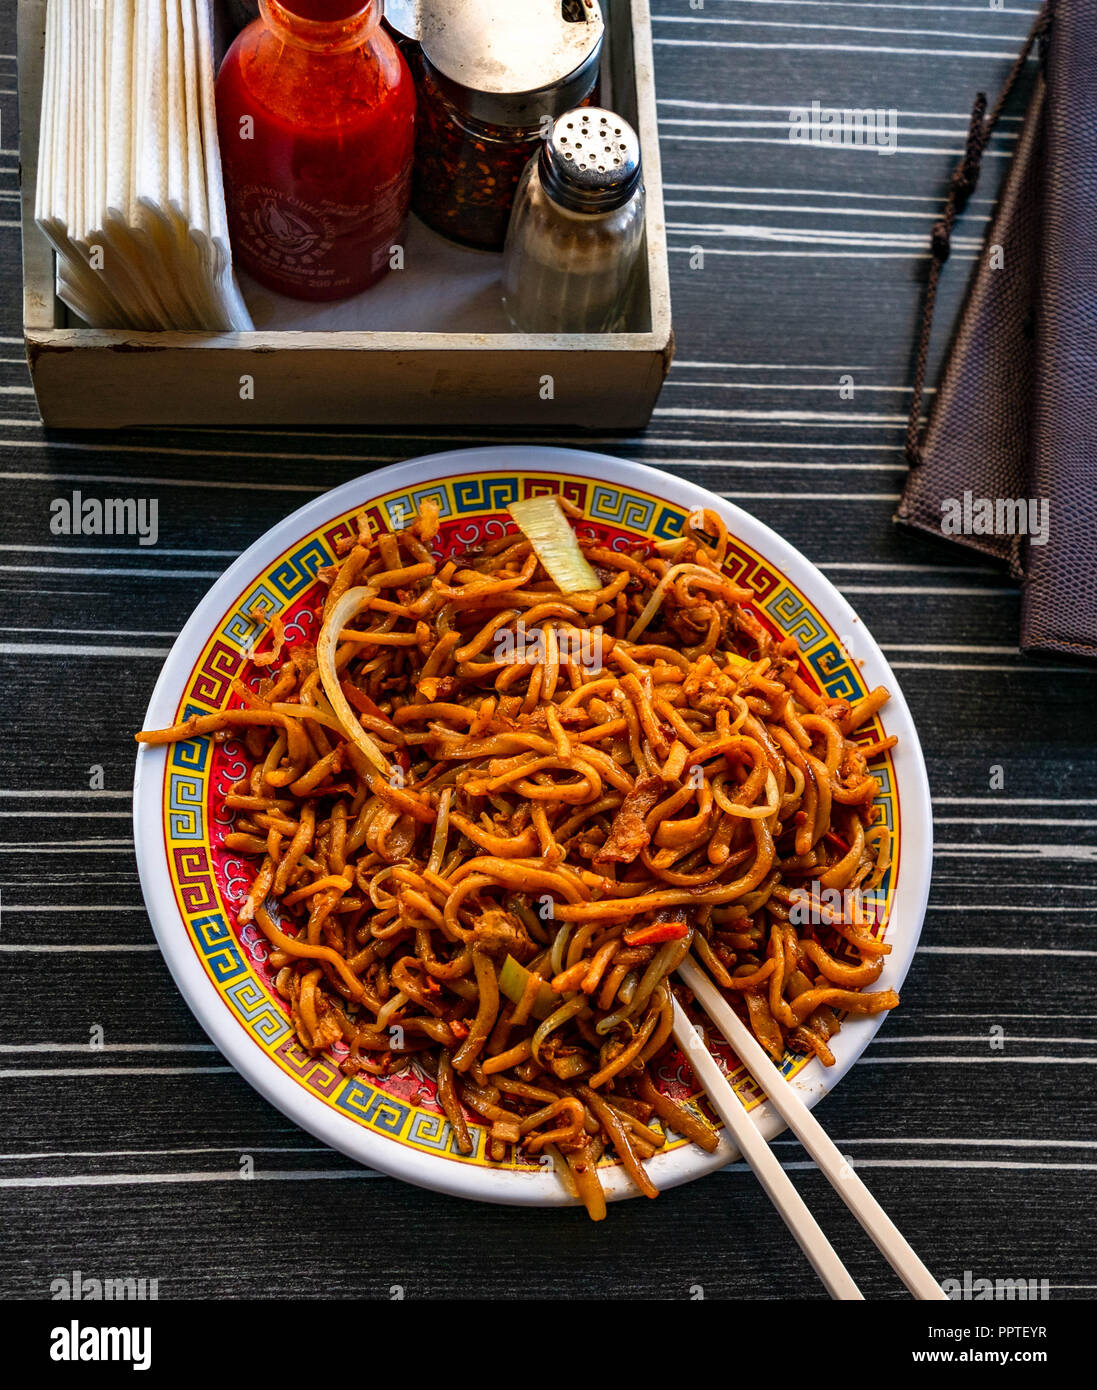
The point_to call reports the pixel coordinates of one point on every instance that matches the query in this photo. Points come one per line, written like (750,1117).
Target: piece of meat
(498,934)
(628,834)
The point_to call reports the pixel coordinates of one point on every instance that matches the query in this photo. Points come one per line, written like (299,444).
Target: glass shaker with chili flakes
(316,120)
(493,76)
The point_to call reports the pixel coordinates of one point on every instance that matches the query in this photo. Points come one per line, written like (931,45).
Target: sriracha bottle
(315,116)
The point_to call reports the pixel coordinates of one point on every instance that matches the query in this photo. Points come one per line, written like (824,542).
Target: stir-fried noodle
(490,817)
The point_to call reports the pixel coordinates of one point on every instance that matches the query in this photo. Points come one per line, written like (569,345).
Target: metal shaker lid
(591,161)
(513,62)
(404,16)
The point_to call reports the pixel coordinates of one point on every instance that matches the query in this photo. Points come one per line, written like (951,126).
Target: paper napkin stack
(129,173)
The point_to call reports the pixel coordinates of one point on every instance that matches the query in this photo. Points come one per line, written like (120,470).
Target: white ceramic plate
(192,885)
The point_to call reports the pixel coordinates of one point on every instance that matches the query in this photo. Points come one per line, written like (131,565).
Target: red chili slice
(657,931)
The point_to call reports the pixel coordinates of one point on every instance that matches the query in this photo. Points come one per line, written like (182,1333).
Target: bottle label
(326,245)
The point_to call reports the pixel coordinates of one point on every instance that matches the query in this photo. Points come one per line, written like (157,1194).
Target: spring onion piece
(543,523)
(326,645)
(512,982)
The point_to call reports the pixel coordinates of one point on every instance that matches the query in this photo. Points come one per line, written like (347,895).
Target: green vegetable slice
(512,983)
(543,523)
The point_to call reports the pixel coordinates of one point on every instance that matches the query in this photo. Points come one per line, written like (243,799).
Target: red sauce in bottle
(315,116)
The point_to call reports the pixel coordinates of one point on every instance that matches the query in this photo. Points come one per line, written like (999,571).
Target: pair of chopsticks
(767,1168)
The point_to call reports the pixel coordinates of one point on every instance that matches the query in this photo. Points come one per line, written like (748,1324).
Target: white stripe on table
(891,466)
(692,103)
(619,443)
(1004,884)
(1004,1165)
(92,1049)
(935,202)
(831,255)
(178,451)
(983,9)
(792,418)
(924,1142)
(807,236)
(959,647)
(1000,1059)
(725,22)
(787,496)
(856,446)
(115,550)
(958,850)
(82,948)
(80,649)
(954,590)
(840,48)
(999,951)
(835,386)
(1015,800)
(154,1179)
(1027,669)
(1004,907)
(37,1073)
(309,1175)
(133,572)
(906,214)
(718,123)
(77,791)
(1008,820)
(64,844)
(102,479)
(241,1148)
(996,1015)
(982,1038)
(60,846)
(98,631)
(69,907)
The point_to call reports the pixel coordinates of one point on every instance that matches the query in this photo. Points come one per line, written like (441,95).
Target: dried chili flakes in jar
(492,79)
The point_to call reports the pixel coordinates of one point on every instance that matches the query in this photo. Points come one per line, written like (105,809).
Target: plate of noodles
(451,769)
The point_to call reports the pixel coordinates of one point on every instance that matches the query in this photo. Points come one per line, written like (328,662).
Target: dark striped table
(125,1160)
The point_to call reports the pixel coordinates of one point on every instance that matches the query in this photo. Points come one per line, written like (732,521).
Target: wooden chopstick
(783,1097)
(767,1168)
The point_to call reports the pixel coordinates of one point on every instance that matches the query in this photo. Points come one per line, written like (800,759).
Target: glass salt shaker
(577,228)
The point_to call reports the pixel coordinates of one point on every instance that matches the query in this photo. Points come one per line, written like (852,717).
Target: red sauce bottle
(315,116)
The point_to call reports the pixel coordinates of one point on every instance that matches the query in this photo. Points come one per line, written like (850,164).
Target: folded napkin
(129,174)
(1008,463)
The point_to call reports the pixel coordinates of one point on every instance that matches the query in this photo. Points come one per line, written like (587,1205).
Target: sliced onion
(659,592)
(326,645)
(441,831)
(387,1010)
(556,1020)
(773,802)
(652,605)
(543,523)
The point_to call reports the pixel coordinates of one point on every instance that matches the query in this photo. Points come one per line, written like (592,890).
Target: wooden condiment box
(94,378)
